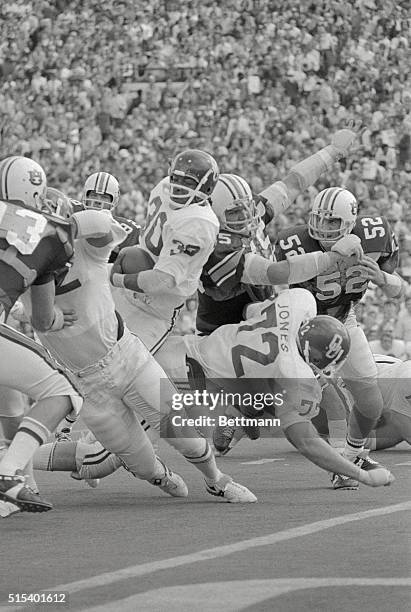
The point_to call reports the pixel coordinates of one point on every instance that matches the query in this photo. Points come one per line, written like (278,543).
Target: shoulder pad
(375,234)
(295,241)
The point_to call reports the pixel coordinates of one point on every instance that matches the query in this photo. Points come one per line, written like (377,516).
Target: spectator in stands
(387,345)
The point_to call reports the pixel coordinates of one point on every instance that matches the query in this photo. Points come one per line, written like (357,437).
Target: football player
(279,350)
(114,370)
(394,426)
(332,217)
(394,381)
(238,272)
(34,244)
(179,235)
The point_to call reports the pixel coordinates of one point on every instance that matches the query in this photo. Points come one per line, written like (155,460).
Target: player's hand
(348,246)
(345,138)
(70,317)
(371,271)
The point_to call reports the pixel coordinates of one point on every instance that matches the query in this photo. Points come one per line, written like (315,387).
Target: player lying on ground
(394,426)
(282,346)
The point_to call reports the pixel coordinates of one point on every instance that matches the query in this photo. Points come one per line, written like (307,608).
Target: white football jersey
(86,289)
(264,347)
(180,241)
(394,381)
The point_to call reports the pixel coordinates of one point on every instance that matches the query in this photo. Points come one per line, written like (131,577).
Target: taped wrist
(310,169)
(117,280)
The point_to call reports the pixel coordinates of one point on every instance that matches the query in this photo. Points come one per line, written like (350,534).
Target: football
(135,259)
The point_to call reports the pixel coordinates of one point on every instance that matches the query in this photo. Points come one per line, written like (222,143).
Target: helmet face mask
(333,215)
(56,203)
(233,203)
(193,176)
(323,343)
(101,191)
(22,180)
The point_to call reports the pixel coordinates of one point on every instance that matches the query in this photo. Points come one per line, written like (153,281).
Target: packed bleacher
(122,85)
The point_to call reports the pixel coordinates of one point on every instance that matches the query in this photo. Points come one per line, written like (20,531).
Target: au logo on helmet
(35,177)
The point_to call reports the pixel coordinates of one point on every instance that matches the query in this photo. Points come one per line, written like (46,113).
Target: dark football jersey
(223,295)
(133,236)
(342,285)
(34,246)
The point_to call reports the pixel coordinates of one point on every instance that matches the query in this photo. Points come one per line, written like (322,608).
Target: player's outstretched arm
(306,439)
(281,194)
(298,268)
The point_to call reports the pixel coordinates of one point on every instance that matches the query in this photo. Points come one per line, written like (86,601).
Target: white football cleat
(92,482)
(231,491)
(7,509)
(171,483)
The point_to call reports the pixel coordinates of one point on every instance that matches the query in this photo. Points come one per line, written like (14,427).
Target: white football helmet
(58,204)
(22,180)
(334,203)
(232,202)
(101,191)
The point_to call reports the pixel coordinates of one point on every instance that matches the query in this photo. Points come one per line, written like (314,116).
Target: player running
(115,371)
(333,216)
(34,244)
(179,235)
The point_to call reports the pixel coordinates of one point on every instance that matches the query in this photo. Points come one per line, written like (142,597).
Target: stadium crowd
(121,85)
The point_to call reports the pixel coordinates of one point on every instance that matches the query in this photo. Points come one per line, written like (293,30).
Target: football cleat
(345,483)
(14,490)
(379,475)
(171,483)
(222,438)
(7,509)
(230,491)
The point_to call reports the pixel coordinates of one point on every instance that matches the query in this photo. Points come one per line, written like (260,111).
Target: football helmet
(22,180)
(332,204)
(193,176)
(232,202)
(57,203)
(323,343)
(101,191)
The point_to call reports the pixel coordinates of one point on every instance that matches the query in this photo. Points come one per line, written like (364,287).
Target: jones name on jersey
(342,285)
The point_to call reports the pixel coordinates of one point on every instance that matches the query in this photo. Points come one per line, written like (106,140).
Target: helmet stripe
(4,170)
(228,186)
(107,181)
(333,200)
(328,198)
(238,185)
(95,185)
(101,179)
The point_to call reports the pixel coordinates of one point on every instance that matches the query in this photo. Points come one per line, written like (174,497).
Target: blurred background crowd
(121,85)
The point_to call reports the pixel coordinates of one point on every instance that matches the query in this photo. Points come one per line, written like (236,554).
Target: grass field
(127,546)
